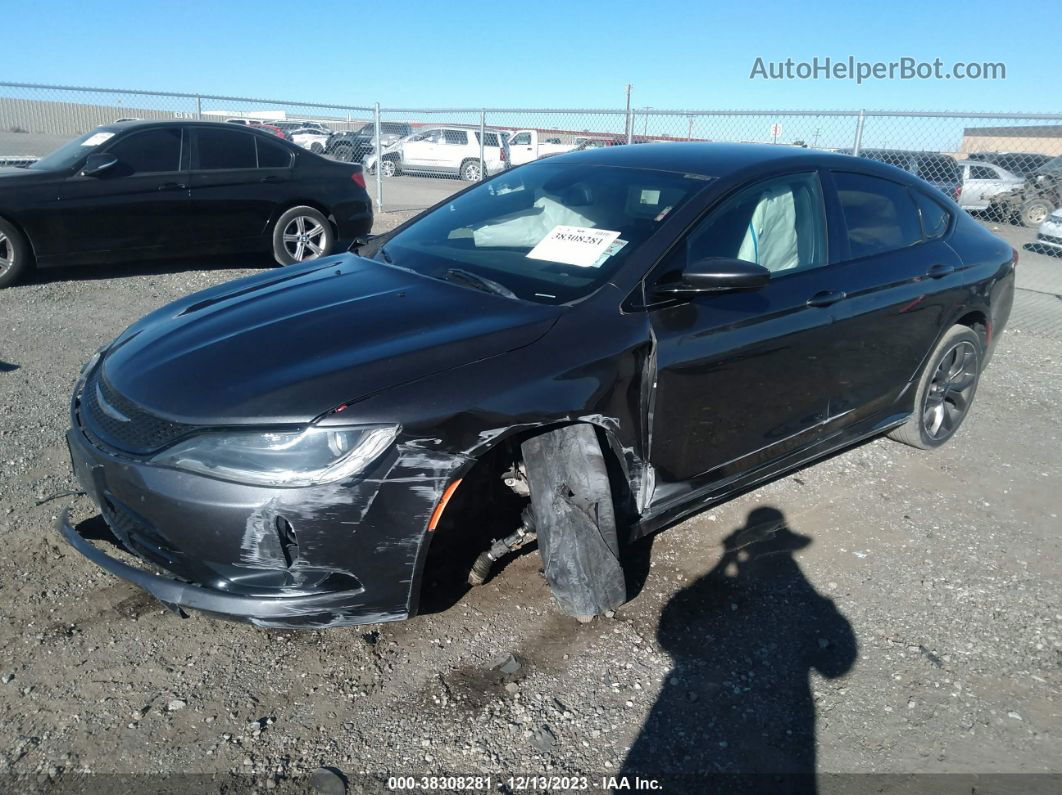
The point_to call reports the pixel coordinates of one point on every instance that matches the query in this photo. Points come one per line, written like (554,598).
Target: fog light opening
(289,542)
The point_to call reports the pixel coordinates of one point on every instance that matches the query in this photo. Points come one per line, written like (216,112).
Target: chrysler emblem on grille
(107,408)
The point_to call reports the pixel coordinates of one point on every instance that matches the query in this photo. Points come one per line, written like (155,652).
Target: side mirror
(361,240)
(714,275)
(97,163)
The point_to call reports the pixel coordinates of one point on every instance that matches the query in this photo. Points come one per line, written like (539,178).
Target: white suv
(447,150)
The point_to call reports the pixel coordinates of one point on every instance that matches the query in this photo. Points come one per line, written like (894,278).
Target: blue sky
(678,54)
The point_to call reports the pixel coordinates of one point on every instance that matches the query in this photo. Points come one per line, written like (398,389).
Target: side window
(489,139)
(224,149)
(935,219)
(455,137)
(272,155)
(429,136)
(149,151)
(523,139)
(778,223)
(981,172)
(880,215)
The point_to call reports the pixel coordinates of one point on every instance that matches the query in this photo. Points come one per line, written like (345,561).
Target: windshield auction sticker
(574,245)
(97,139)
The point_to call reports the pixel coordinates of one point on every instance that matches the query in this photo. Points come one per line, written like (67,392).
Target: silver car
(981,181)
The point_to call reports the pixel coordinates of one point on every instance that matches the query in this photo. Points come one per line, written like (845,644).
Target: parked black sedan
(583,349)
(136,190)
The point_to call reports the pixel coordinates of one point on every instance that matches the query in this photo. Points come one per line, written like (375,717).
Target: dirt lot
(884,611)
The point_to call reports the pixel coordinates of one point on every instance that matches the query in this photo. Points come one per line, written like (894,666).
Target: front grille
(1049,239)
(140,433)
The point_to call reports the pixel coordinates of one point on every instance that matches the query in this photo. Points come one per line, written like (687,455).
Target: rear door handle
(826,298)
(172,186)
(939,271)
(271,179)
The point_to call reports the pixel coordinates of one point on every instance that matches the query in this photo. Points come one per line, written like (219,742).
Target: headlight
(281,458)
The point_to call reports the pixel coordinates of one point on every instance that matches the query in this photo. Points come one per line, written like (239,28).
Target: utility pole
(628,124)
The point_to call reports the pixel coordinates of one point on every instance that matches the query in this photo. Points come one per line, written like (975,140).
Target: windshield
(1053,166)
(70,153)
(547,232)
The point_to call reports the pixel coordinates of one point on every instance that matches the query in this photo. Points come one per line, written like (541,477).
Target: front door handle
(940,271)
(172,186)
(826,298)
(271,179)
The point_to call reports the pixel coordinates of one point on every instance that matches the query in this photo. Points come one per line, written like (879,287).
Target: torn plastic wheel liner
(576,520)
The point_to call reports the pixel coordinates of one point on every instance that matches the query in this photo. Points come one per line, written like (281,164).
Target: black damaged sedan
(579,351)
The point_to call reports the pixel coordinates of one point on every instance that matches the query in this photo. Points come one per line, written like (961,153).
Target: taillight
(358,178)
(504,155)
(1013,256)
(958,192)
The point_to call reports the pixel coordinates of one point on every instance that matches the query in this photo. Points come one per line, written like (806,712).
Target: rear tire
(344,153)
(1035,212)
(317,147)
(945,390)
(16,257)
(471,171)
(302,234)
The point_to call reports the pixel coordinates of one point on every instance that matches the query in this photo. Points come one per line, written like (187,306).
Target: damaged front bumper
(310,610)
(321,556)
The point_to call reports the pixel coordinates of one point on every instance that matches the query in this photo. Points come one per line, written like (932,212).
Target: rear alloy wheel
(389,168)
(317,147)
(1035,212)
(301,234)
(470,171)
(344,153)
(945,391)
(14,254)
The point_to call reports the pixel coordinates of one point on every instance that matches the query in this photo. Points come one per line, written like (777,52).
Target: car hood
(290,345)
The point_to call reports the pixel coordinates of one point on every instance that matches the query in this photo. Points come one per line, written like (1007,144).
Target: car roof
(140,125)
(703,159)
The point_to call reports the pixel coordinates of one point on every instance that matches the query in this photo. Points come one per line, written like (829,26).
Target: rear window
(935,218)
(880,215)
(390,128)
(489,138)
(272,155)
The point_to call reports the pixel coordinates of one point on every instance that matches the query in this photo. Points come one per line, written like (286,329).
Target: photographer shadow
(737,713)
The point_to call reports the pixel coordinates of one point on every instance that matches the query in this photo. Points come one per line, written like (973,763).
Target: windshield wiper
(461,276)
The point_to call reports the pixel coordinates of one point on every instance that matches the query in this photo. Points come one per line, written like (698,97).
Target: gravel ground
(904,619)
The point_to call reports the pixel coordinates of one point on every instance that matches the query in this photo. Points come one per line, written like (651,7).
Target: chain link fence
(1003,164)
